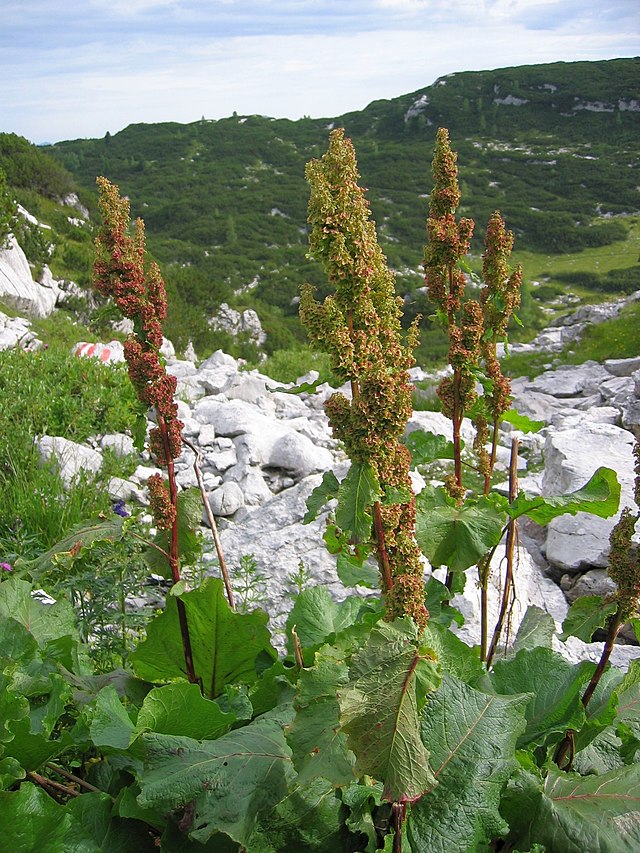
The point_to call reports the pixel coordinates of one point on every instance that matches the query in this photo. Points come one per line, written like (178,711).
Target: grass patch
(616,338)
(54,393)
(619,255)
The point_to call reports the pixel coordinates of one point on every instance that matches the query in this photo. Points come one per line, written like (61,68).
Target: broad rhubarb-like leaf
(389,679)
(318,745)
(471,737)
(573,814)
(229,781)
(226,645)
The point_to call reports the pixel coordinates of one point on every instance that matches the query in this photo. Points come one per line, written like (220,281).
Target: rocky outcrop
(240,324)
(262,452)
(17,287)
(567,329)
(15,332)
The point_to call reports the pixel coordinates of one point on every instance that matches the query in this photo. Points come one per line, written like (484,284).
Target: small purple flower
(6,567)
(119,508)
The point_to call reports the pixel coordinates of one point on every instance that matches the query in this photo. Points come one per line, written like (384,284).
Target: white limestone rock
(120,444)
(17,287)
(572,456)
(532,587)
(226,500)
(72,459)
(16,332)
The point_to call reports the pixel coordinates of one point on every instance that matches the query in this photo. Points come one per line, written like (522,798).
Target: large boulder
(16,332)
(17,287)
(571,458)
(72,459)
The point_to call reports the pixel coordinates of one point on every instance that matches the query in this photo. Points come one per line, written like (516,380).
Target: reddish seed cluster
(624,564)
(119,272)
(163,511)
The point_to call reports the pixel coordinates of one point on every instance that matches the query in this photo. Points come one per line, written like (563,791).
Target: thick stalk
(614,628)
(484,571)
(398,813)
(512,533)
(566,746)
(383,556)
(173,555)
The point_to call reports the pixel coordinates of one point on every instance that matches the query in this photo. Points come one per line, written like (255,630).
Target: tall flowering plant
(137,289)
(359,326)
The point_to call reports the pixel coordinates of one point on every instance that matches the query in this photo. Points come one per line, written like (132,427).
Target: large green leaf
(426,447)
(13,706)
(361,800)
(180,709)
(45,622)
(189,514)
(316,616)
(318,745)
(521,422)
(471,737)
(585,616)
(229,780)
(357,571)
(111,726)
(32,822)
(537,628)
(308,819)
(555,687)
(358,491)
(436,600)
(92,814)
(321,495)
(628,692)
(457,537)
(33,749)
(600,496)
(602,708)
(389,679)
(574,814)
(226,645)
(456,657)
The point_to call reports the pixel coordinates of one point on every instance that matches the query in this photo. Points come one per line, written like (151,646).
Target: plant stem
(297,649)
(614,627)
(383,556)
(512,534)
(50,784)
(70,776)
(173,554)
(567,745)
(212,523)
(398,811)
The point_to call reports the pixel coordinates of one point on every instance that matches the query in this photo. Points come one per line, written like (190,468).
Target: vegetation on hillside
(224,201)
(377,729)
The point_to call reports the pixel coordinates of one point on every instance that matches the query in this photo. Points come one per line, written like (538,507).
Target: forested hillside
(554,147)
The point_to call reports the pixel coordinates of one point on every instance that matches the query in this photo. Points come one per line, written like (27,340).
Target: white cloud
(179,66)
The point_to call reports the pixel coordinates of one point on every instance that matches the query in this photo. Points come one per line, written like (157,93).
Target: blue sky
(80,68)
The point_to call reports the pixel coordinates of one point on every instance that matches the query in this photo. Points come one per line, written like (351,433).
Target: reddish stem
(512,533)
(173,554)
(614,627)
(383,556)
(398,813)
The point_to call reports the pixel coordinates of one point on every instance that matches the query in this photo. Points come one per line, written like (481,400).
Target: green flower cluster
(358,325)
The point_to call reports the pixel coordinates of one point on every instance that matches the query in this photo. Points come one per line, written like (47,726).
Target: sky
(74,69)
